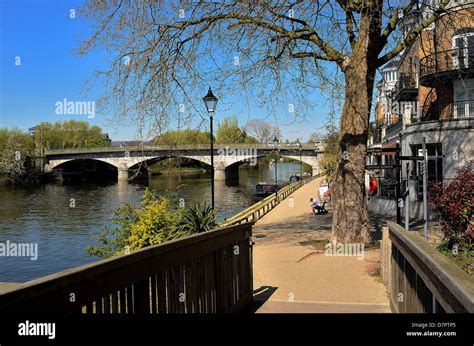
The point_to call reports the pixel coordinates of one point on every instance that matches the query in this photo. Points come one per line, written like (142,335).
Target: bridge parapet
(180,147)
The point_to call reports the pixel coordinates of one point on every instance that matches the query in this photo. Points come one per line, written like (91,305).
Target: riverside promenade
(292,273)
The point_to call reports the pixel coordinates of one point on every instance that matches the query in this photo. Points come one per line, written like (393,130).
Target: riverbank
(39,179)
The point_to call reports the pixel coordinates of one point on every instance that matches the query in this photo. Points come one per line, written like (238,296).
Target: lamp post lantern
(300,146)
(211,102)
(275,143)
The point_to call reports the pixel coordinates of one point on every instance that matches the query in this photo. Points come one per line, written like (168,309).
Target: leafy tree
(228,131)
(5,133)
(277,52)
(173,138)
(69,134)
(16,164)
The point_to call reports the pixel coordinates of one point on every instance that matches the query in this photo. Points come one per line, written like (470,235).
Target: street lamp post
(211,102)
(275,143)
(301,162)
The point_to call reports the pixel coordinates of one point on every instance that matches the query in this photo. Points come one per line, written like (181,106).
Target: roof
(392,64)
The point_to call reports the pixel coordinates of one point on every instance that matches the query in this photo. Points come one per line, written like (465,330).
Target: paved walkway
(292,274)
(5,286)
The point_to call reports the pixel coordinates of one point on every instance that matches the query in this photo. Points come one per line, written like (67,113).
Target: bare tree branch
(414,34)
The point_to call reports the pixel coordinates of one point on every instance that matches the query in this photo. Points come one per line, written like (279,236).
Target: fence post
(386,258)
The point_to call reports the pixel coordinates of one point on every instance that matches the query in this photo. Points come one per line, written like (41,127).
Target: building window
(463,46)
(463,98)
(435,165)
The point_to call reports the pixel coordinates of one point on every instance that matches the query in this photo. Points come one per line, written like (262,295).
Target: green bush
(157,220)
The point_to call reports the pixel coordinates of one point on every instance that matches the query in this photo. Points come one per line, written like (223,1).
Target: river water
(64,218)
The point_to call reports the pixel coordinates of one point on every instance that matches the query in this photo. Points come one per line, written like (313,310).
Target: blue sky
(43,36)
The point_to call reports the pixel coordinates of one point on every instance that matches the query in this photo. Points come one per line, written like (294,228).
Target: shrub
(16,165)
(453,203)
(196,219)
(155,221)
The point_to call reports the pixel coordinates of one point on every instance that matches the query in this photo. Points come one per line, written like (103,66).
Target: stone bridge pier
(122,172)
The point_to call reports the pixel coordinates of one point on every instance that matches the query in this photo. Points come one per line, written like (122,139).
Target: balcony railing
(456,109)
(406,88)
(452,64)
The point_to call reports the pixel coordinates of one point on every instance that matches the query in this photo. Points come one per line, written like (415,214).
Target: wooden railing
(419,278)
(258,210)
(204,273)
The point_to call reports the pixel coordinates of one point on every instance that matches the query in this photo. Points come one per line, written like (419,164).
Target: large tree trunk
(351,222)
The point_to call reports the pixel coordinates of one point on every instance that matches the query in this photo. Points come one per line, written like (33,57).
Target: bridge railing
(204,273)
(290,147)
(258,210)
(419,279)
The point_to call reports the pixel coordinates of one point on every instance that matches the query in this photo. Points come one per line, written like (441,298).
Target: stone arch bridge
(227,158)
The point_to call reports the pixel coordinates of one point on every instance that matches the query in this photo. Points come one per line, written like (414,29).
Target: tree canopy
(173,138)
(69,134)
(228,131)
(276,53)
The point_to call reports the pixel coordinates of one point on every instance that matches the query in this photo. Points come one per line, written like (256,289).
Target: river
(64,218)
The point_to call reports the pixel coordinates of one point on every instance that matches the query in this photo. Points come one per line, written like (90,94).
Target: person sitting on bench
(322,209)
(315,205)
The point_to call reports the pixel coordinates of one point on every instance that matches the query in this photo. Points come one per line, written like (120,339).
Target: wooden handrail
(207,272)
(419,278)
(259,209)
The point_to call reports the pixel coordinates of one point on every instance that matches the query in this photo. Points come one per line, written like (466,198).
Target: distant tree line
(20,152)
(69,134)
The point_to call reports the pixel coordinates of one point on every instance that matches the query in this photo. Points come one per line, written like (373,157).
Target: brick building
(432,97)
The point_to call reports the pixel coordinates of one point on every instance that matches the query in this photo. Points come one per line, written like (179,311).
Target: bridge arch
(84,168)
(135,161)
(228,167)
(57,164)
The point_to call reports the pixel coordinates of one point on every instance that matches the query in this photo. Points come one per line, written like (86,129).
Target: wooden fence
(258,210)
(204,273)
(419,278)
